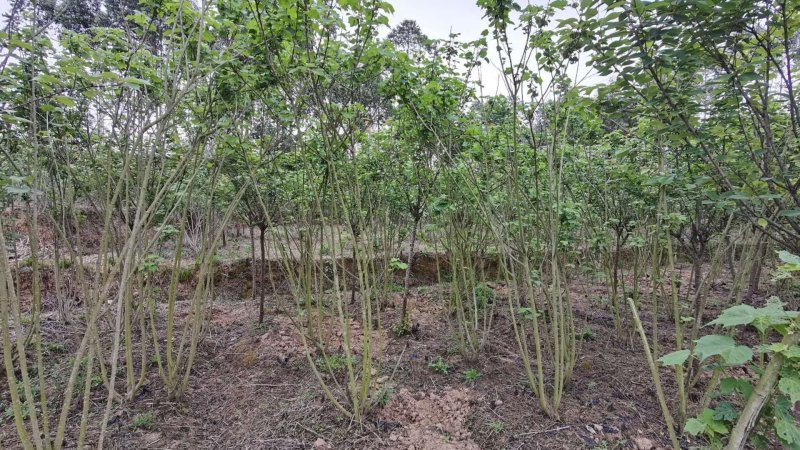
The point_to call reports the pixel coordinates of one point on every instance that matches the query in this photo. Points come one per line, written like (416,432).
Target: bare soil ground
(252,387)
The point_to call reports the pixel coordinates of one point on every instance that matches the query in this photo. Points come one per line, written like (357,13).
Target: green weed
(440,366)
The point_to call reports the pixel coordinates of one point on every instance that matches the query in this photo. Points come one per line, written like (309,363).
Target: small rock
(642,443)
(498,402)
(610,429)
(320,444)
(598,427)
(151,438)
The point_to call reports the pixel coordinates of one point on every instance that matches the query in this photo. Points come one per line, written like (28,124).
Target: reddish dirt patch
(430,420)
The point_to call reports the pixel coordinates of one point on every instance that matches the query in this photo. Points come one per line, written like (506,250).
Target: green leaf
(15,42)
(749,76)
(12,119)
(675,358)
(772,316)
(786,425)
(527,313)
(737,355)
(730,385)
(713,426)
(694,426)
(791,387)
(736,315)
(64,100)
(134,83)
(47,79)
(712,345)
(777,347)
(792,352)
(18,190)
(790,213)
(762,222)
(725,412)
(788,258)
(660,180)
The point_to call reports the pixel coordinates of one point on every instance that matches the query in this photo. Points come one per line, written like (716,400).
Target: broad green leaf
(64,100)
(675,358)
(17,190)
(713,426)
(735,315)
(15,42)
(773,316)
(792,352)
(661,180)
(786,424)
(712,345)
(791,387)
(788,258)
(730,385)
(778,347)
(48,79)
(725,412)
(694,427)
(737,355)
(12,119)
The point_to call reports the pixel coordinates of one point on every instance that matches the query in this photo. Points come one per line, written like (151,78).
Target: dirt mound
(431,420)
(282,342)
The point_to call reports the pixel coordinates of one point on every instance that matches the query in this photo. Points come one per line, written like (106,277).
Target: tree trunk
(354,281)
(697,267)
(60,298)
(407,277)
(261,277)
(615,286)
(253,264)
(760,396)
(755,274)
(731,256)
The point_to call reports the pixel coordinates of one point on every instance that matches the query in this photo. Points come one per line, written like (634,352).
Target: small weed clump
(54,347)
(333,363)
(25,408)
(185,275)
(483,295)
(383,395)
(471,376)
(396,288)
(403,328)
(440,366)
(142,421)
(586,335)
(496,427)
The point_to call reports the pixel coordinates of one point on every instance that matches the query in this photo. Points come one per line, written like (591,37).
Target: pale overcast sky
(438,18)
